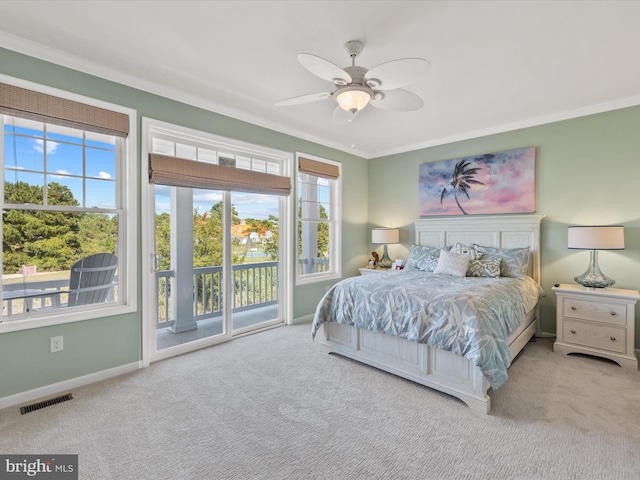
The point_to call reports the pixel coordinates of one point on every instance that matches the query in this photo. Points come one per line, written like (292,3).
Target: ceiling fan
(357,87)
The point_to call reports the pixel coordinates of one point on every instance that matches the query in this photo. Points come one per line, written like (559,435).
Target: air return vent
(45,403)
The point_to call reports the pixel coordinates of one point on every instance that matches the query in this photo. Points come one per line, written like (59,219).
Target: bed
(461,366)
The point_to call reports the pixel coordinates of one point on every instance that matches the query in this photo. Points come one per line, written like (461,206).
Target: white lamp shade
(609,237)
(385,235)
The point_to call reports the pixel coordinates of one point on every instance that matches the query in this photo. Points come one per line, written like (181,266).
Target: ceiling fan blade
(398,101)
(312,97)
(324,69)
(396,73)
(343,117)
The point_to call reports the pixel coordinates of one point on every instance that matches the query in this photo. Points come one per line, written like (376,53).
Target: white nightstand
(597,322)
(370,271)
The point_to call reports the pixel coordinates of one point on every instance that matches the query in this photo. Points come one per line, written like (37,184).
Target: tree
(461,180)
(47,239)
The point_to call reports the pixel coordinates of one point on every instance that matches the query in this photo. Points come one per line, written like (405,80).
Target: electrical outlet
(56,344)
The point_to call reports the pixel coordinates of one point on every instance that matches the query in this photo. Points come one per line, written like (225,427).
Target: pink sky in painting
(509,184)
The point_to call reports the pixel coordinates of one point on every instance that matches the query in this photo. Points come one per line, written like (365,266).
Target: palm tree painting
(491,183)
(461,181)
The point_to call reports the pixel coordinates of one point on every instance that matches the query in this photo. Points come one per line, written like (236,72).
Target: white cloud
(104,175)
(38,146)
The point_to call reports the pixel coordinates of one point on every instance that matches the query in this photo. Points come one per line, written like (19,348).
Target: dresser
(598,322)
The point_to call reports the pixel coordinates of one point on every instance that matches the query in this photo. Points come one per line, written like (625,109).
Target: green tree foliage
(48,239)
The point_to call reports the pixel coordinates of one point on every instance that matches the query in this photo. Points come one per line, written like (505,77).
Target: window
(66,212)
(318,219)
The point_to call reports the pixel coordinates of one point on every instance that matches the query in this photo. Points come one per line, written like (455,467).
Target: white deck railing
(254,285)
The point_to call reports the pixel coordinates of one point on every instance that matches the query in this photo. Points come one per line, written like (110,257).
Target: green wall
(100,344)
(586,173)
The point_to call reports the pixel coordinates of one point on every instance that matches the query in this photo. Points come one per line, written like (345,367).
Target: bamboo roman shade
(179,172)
(318,169)
(24,103)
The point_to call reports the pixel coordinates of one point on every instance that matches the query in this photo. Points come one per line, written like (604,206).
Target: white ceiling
(496,65)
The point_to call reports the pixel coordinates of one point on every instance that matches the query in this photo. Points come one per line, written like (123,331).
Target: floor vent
(45,403)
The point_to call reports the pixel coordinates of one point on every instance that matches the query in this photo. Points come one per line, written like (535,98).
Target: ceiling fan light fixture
(353,97)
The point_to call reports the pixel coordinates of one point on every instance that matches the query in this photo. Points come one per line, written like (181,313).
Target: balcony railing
(254,285)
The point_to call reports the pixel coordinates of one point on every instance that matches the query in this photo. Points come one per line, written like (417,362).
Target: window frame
(126,203)
(334,271)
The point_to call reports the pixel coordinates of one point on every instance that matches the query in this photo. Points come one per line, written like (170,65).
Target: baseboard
(304,319)
(66,385)
(541,334)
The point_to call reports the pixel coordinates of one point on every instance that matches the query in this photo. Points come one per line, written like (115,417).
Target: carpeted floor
(274,406)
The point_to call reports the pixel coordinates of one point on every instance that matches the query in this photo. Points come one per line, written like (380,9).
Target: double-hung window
(318,219)
(66,215)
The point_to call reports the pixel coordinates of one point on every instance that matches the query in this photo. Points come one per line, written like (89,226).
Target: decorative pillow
(427,264)
(465,250)
(514,262)
(418,257)
(451,263)
(484,268)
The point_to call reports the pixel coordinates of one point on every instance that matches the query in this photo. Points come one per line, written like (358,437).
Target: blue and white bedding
(469,316)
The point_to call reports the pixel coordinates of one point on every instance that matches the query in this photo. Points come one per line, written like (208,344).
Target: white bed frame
(430,366)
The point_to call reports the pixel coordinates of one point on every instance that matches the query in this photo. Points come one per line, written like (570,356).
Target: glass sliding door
(211,239)
(194,264)
(189,246)
(255,260)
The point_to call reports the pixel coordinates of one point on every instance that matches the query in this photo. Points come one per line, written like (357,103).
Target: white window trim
(128,257)
(335,240)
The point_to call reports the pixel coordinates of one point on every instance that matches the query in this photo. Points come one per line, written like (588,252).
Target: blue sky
(27,152)
(248,205)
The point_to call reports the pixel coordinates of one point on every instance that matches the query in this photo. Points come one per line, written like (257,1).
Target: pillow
(514,262)
(451,263)
(465,250)
(484,268)
(427,264)
(418,257)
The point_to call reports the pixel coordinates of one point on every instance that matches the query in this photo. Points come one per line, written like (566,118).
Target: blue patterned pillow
(484,268)
(419,258)
(465,250)
(514,262)
(451,263)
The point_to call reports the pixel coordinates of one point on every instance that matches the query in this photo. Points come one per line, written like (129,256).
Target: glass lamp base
(593,277)
(385,261)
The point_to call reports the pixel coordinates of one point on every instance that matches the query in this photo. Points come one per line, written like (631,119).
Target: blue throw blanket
(469,316)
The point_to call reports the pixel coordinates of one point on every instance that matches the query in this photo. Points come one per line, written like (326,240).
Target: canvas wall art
(502,182)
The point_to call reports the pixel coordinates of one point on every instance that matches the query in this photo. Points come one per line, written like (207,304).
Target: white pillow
(451,263)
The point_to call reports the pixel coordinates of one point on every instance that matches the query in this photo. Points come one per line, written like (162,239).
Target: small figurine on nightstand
(376,259)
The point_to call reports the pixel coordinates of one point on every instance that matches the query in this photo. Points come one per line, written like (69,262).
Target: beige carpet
(273,406)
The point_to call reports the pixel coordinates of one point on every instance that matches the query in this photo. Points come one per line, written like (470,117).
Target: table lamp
(385,236)
(595,238)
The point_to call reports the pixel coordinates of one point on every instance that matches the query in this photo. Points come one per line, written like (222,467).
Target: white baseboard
(66,385)
(305,319)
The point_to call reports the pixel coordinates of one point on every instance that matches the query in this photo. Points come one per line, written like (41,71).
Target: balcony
(254,301)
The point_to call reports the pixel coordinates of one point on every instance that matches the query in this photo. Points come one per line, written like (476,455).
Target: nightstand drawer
(615,313)
(597,336)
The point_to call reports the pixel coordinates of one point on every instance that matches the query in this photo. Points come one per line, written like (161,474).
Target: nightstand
(598,322)
(370,271)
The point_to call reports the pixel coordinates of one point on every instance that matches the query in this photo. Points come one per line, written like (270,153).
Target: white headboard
(500,231)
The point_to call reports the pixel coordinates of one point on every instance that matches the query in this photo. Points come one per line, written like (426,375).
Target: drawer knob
(573,331)
(573,307)
(613,313)
(613,339)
